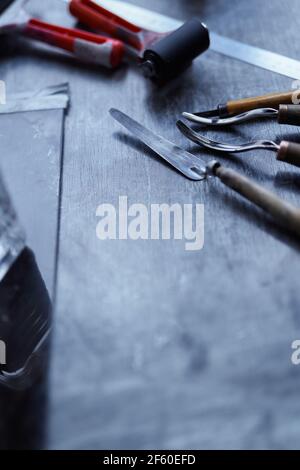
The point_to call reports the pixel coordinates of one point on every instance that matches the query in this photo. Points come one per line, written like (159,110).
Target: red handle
(98,18)
(86,46)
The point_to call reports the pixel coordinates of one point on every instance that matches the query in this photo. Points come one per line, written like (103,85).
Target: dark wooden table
(154,346)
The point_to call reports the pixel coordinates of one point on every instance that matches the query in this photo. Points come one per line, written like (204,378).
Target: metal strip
(235,49)
(255,56)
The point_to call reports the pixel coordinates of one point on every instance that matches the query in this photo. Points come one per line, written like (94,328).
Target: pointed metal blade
(190,166)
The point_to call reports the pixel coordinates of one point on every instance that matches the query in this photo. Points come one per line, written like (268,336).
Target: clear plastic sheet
(31,167)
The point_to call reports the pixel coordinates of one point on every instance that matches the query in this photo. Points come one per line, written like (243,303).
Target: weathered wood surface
(153,346)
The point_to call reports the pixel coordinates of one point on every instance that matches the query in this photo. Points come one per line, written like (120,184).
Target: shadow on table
(288,180)
(25,324)
(258,218)
(24,417)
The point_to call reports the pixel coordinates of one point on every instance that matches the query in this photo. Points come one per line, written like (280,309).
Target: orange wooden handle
(272,100)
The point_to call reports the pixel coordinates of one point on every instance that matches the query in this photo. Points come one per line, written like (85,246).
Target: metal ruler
(237,50)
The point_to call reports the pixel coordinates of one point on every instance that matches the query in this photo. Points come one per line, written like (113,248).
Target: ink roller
(175,52)
(160,56)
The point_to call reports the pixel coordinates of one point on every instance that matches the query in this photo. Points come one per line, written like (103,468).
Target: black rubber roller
(175,52)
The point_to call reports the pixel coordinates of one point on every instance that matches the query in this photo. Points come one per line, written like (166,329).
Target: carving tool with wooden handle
(235,107)
(197,170)
(286,114)
(287,152)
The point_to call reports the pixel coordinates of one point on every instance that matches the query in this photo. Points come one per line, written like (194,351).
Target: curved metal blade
(190,166)
(243,117)
(221,147)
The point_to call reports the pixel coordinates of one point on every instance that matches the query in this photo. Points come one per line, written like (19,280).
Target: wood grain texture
(156,347)
(269,100)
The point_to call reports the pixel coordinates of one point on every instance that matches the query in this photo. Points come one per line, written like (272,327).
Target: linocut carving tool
(287,152)
(286,114)
(236,107)
(235,49)
(196,169)
(161,55)
(85,46)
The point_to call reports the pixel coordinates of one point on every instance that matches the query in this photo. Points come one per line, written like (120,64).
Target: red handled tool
(160,55)
(83,45)
(86,46)
(100,19)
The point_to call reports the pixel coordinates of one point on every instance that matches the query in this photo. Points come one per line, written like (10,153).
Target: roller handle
(85,46)
(289,152)
(98,18)
(272,100)
(284,213)
(289,114)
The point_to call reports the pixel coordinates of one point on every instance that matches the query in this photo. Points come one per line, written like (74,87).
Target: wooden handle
(272,100)
(289,114)
(289,152)
(284,213)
